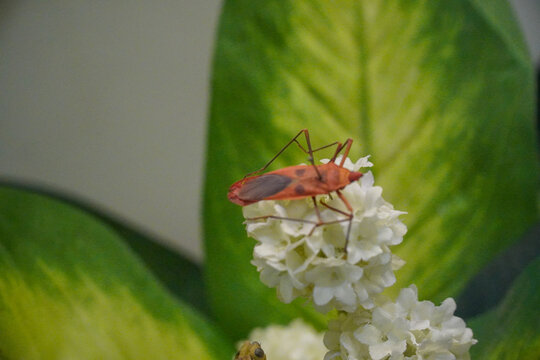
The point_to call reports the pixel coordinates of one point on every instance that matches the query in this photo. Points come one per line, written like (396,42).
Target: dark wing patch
(299,189)
(263,186)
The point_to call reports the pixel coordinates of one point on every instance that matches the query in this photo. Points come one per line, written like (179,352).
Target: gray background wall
(107,101)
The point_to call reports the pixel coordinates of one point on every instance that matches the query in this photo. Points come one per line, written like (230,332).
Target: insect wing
(263,186)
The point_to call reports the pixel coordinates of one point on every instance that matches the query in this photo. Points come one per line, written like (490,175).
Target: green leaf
(439,92)
(512,330)
(490,285)
(181,276)
(70,288)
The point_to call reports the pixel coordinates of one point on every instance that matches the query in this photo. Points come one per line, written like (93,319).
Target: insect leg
(318,215)
(309,151)
(334,209)
(347,147)
(320,221)
(348,215)
(316,208)
(264,217)
(347,144)
(349,207)
(319,148)
(338,150)
(279,153)
(293,140)
(316,224)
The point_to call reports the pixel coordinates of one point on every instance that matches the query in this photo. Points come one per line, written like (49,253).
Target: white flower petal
(367,180)
(269,277)
(362,163)
(408,298)
(368,335)
(346,295)
(322,295)
(382,349)
(285,290)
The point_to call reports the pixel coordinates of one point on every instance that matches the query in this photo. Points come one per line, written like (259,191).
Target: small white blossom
(297,341)
(405,329)
(299,260)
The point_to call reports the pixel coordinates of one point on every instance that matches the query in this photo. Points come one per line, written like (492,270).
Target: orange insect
(300,181)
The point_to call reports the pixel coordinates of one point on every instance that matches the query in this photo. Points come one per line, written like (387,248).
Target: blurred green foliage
(71,288)
(512,330)
(439,93)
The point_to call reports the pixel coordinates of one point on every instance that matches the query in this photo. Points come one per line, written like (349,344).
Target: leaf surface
(181,276)
(512,330)
(440,93)
(70,288)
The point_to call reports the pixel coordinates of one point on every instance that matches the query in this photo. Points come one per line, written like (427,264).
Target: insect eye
(259,352)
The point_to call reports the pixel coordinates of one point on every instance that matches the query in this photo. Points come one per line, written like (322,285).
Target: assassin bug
(300,181)
(250,351)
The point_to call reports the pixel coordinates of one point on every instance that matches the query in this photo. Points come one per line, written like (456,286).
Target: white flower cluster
(406,329)
(297,341)
(300,261)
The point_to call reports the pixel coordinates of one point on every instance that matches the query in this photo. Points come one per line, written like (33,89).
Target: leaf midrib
(363,82)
